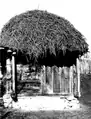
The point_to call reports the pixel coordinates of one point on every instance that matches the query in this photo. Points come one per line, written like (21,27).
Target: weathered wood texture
(8,76)
(43,80)
(78,77)
(55,80)
(75,87)
(50,80)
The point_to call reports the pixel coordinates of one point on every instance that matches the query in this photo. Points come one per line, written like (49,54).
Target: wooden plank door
(49,80)
(64,83)
(56,80)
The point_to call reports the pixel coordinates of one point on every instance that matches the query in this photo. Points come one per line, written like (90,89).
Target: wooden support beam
(71,80)
(52,78)
(74,80)
(60,79)
(43,80)
(56,81)
(78,77)
(1,72)
(49,83)
(1,48)
(0,80)
(13,72)
(8,76)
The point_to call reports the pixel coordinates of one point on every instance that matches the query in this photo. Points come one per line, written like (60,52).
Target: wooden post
(43,80)
(60,70)
(8,76)
(74,80)
(52,77)
(13,72)
(56,81)
(1,72)
(49,82)
(0,68)
(78,77)
(0,81)
(52,80)
(71,80)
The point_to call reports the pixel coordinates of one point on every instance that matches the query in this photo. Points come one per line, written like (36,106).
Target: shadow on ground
(84,113)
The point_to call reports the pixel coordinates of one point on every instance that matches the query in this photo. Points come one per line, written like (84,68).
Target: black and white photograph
(45,59)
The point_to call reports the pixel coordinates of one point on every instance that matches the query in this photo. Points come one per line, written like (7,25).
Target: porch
(42,80)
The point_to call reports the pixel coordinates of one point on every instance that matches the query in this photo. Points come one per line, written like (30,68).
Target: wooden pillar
(13,72)
(74,80)
(71,80)
(1,72)
(43,80)
(8,76)
(56,81)
(0,81)
(52,78)
(60,79)
(78,77)
(1,75)
(49,82)
(0,62)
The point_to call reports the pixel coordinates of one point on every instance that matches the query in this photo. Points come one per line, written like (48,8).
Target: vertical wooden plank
(74,80)
(56,82)
(13,72)
(43,80)
(0,81)
(78,77)
(49,82)
(52,77)
(66,80)
(71,80)
(8,76)
(63,83)
(60,79)
(0,72)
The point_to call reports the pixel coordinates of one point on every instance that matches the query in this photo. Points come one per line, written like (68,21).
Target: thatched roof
(39,32)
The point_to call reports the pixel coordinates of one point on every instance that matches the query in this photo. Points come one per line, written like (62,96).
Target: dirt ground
(84,113)
(47,115)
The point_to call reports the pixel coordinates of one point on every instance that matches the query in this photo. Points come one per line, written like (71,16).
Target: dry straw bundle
(38,32)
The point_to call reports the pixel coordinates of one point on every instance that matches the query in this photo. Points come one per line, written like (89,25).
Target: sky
(78,12)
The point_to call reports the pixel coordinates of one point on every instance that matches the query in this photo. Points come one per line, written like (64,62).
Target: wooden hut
(50,46)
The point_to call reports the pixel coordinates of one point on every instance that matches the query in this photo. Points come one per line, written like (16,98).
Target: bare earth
(84,113)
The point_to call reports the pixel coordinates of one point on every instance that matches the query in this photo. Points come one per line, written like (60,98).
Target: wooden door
(56,80)
(64,83)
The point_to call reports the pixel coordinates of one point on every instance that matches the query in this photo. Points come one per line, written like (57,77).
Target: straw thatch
(38,33)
